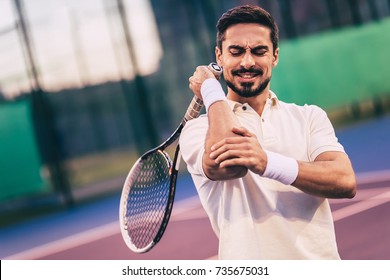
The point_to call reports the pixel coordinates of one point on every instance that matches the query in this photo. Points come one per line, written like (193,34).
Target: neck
(256,102)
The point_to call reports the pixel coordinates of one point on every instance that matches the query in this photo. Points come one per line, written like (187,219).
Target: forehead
(247,34)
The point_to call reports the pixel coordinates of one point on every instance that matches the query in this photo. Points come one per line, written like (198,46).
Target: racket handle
(196,104)
(194,109)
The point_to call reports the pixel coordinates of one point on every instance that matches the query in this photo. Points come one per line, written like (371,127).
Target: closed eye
(260,50)
(236,51)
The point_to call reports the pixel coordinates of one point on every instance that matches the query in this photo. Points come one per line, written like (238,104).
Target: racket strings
(148,198)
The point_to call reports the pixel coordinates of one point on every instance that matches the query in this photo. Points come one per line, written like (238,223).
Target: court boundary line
(361,206)
(67,243)
(186,206)
(372,177)
(361,195)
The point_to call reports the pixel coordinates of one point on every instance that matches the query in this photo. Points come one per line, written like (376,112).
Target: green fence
(335,68)
(331,69)
(19,159)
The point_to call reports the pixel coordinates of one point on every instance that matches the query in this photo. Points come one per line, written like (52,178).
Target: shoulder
(305,108)
(195,128)
(308,111)
(199,122)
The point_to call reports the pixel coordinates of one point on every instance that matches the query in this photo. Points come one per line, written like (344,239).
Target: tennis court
(362,229)
(92,232)
(97,119)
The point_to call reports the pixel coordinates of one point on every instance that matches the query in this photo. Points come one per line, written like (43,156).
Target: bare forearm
(221,122)
(327,178)
(330,175)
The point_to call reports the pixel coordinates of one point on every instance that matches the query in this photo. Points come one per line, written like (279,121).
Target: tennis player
(263,168)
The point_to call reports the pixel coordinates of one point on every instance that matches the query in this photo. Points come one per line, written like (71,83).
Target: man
(263,168)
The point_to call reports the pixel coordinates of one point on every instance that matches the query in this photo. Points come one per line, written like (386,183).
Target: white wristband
(211,91)
(281,168)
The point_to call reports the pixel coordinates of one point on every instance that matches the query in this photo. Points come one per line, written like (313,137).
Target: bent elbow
(228,173)
(352,192)
(350,187)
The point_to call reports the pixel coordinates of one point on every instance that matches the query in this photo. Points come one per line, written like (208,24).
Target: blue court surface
(367,143)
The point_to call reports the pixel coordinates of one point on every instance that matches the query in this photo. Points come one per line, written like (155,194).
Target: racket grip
(196,104)
(193,110)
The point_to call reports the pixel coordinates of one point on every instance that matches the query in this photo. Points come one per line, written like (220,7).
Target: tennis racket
(149,190)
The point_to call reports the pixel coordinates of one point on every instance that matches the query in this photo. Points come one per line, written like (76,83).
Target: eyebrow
(256,48)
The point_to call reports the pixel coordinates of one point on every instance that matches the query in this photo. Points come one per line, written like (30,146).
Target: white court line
(66,243)
(362,194)
(185,210)
(361,206)
(373,177)
(183,207)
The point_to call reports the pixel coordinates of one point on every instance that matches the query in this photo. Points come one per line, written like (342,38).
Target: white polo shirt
(260,218)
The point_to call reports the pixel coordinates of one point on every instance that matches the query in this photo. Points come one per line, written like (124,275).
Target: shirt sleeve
(191,142)
(322,134)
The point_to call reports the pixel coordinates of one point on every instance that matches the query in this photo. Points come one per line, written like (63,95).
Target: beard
(247,90)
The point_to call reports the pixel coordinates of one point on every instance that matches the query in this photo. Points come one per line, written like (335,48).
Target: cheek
(225,64)
(268,65)
(227,75)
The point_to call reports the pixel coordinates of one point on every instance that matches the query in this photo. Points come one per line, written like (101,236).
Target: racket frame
(192,112)
(174,166)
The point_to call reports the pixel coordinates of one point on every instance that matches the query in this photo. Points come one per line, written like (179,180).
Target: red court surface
(362,228)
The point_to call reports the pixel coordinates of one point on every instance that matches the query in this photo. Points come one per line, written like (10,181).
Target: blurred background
(88,86)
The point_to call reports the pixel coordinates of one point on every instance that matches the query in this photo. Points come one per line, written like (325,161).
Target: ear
(218,56)
(275,58)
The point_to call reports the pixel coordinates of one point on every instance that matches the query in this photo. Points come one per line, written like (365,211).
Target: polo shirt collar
(274,99)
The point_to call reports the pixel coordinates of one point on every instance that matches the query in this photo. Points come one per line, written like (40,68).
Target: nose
(247,61)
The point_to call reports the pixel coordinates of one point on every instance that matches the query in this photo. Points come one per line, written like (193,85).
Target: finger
(241,159)
(242,131)
(255,163)
(205,71)
(233,162)
(227,141)
(216,152)
(231,151)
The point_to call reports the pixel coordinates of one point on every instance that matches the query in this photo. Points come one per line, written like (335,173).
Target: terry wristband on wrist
(211,91)
(281,168)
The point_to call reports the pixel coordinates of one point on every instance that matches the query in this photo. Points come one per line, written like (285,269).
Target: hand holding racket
(149,190)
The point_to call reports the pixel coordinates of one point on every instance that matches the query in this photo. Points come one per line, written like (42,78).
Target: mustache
(243,70)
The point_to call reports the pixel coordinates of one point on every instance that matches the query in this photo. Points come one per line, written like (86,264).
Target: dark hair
(247,14)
